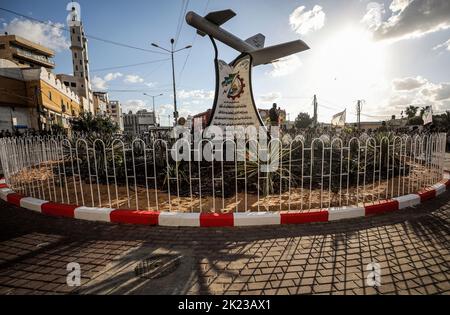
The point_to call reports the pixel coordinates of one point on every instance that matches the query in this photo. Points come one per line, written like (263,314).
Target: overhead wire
(87,36)
(180,24)
(129,66)
(180,75)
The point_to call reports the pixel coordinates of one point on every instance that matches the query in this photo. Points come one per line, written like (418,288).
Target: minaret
(80,55)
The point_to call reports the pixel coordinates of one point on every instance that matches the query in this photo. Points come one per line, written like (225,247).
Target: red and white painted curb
(176,219)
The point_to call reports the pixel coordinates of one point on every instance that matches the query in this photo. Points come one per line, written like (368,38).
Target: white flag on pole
(428,116)
(339,119)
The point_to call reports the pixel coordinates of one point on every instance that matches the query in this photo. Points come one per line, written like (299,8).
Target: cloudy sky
(390,53)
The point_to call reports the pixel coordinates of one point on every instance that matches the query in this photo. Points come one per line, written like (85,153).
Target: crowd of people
(28,133)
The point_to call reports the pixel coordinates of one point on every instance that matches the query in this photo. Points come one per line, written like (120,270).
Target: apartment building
(34,99)
(101,100)
(24,53)
(114,111)
(139,123)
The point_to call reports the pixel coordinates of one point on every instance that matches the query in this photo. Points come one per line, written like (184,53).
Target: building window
(75,55)
(73,84)
(50,95)
(76,68)
(73,31)
(79,39)
(2,46)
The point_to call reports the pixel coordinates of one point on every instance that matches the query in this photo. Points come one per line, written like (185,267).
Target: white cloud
(304,22)
(134,106)
(374,15)
(195,94)
(286,66)
(418,92)
(44,34)
(99,83)
(409,83)
(112,76)
(165,109)
(133,79)
(412,19)
(269,97)
(399,5)
(150,84)
(445,45)
(441,91)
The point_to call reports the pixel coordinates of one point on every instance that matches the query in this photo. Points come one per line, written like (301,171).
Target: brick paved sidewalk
(411,246)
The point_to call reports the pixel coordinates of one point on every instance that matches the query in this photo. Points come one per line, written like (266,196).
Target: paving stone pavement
(411,246)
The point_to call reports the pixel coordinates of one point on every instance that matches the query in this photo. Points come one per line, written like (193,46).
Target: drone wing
(218,18)
(273,53)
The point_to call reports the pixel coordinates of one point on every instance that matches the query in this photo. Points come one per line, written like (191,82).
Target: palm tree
(411,111)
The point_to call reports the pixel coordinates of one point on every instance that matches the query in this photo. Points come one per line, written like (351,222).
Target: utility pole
(315,110)
(172,52)
(175,112)
(358,113)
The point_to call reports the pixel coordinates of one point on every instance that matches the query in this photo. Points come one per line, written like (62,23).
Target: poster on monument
(234,104)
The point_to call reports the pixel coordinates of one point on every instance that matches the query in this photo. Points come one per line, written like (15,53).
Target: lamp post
(172,52)
(153,97)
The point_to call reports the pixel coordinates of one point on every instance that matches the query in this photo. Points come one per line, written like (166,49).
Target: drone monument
(234,104)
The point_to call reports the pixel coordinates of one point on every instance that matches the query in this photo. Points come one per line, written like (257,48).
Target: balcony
(40,59)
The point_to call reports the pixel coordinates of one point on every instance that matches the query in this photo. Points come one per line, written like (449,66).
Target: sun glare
(349,65)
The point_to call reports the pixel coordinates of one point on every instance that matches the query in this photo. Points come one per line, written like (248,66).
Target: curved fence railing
(228,176)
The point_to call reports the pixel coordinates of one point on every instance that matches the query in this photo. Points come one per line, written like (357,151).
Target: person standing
(274,115)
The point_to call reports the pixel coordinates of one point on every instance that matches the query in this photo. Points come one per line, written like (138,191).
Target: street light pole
(153,97)
(172,52)
(175,113)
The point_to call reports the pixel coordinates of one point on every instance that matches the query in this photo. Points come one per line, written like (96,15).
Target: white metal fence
(310,173)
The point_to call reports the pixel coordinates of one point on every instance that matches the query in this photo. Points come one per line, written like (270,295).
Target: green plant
(303,120)
(411,111)
(89,123)
(276,167)
(415,121)
(95,154)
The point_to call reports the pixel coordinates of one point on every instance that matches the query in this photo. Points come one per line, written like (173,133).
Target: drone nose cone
(190,16)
